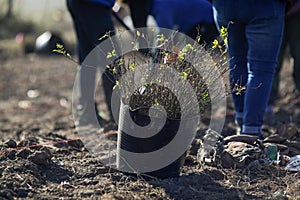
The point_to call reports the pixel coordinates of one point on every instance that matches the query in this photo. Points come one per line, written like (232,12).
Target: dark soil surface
(36,112)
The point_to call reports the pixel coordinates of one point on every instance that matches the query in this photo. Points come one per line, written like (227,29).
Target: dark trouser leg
(108,82)
(207,33)
(261,67)
(139,10)
(276,80)
(91,22)
(293,26)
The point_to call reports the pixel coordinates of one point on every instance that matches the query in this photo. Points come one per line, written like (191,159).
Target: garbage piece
(249,139)
(293,164)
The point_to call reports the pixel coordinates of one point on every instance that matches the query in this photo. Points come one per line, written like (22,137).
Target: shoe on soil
(87,117)
(239,123)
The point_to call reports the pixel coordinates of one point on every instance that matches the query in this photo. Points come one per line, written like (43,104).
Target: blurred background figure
(139,11)
(46,42)
(291,41)
(92,19)
(192,17)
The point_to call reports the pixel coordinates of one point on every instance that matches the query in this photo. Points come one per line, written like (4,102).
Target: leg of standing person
(238,48)
(139,11)
(207,33)
(260,24)
(261,68)
(91,21)
(238,73)
(276,79)
(293,26)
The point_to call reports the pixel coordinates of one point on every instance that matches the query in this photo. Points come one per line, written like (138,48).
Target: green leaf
(106,35)
(116,85)
(132,66)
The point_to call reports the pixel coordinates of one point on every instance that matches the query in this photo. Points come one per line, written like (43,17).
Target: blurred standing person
(291,39)
(139,11)
(92,20)
(255,30)
(192,17)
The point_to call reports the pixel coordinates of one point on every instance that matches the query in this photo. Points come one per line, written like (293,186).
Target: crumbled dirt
(35,112)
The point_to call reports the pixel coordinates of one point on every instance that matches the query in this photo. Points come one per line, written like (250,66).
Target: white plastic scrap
(293,164)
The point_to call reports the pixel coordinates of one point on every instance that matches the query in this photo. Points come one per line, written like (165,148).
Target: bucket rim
(126,106)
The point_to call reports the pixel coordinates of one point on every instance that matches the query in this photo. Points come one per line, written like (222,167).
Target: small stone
(29,141)
(46,150)
(10,169)
(40,158)
(6,194)
(294,152)
(227,160)
(295,144)
(292,130)
(12,155)
(281,147)
(22,193)
(11,143)
(23,143)
(3,146)
(3,155)
(285,152)
(24,153)
(76,143)
(87,192)
(274,139)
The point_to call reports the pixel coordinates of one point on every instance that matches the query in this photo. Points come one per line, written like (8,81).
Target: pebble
(274,139)
(24,153)
(281,147)
(11,143)
(6,194)
(292,130)
(40,157)
(12,155)
(76,143)
(295,144)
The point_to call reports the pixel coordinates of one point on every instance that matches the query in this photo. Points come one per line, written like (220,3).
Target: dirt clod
(24,153)
(40,157)
(11,143)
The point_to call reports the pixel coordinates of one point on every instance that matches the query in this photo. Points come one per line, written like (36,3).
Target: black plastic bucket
(128,119)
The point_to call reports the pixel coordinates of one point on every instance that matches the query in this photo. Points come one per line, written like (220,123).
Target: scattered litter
(208,146)
(24,104)
(64,102)
(283,160)
(280,193)
(33,93)
(272,152)
(293,164)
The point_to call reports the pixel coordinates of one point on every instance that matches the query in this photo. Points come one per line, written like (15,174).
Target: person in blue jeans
(92,19)
(192,17)
(291,38)
(255,30)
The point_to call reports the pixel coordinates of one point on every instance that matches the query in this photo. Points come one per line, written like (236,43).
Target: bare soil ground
(35,108)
